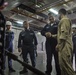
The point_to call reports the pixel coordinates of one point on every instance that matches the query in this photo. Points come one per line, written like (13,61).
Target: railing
(14,57)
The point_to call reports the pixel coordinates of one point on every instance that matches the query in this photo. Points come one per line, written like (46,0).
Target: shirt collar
(64,17)
(27,29)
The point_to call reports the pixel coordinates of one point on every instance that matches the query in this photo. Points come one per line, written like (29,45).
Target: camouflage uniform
(64,37)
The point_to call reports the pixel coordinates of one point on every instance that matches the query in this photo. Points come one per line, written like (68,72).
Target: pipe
(31,25)
(48,5)
(20,12)
(25,7)
(53,5)
(14,57)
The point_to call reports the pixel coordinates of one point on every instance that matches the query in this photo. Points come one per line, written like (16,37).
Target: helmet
(73,26)
(8,23)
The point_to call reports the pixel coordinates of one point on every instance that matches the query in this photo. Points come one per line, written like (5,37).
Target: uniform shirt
(9,39)
(27,38)
(52,28)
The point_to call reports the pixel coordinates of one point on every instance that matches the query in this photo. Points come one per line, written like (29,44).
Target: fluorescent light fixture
(19,22)
(66,0)
(65,5)
(37,6)
(16,3)
(53,11)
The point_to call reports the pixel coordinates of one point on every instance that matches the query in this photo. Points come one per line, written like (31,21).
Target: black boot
(11,70)
(47,73)
(23,71)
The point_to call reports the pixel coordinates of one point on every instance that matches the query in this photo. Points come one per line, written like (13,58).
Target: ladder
(2,44)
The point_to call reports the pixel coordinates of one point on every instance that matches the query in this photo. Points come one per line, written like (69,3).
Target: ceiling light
(53,11)
(16,3)
(19,22)
(66,0)
(65,5)
(37,6)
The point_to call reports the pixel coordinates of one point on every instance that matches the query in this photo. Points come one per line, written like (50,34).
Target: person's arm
(10,37)
(35,40)
(19,42)
(43,31)
(54,36)
(65,28)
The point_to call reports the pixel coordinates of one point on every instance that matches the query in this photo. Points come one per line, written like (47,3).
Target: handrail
(14,57)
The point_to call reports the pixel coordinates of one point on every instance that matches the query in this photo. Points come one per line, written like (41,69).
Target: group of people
(27,43)
(58,43)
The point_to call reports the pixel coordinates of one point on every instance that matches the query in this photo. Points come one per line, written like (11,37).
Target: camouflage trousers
(65,64)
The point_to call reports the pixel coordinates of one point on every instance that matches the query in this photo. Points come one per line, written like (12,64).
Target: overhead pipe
(56,4)
(72,7)
(22,13)
(48,5)
(36,3)
(14,57)
(36,25)
(25,7)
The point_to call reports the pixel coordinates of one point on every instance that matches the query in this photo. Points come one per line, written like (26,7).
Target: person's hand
(19,50)
(48,34)
(36,47)
(57,47)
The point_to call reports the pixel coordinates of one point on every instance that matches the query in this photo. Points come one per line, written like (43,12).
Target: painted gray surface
(40,64)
